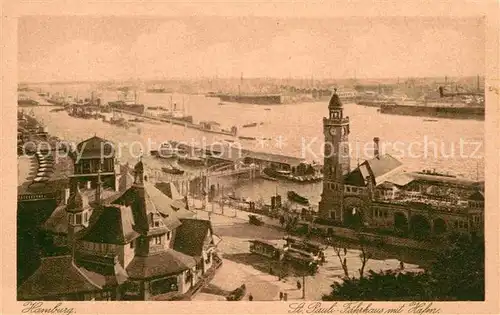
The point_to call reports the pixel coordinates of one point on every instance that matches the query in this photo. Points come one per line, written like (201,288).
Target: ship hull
(477,113)
(252,99)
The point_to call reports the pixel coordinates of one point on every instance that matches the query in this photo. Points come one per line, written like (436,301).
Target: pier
(177,122)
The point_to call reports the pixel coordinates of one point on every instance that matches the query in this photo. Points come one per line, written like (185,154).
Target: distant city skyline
(119,48)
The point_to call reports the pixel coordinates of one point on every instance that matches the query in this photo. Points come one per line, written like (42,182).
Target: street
(241,267)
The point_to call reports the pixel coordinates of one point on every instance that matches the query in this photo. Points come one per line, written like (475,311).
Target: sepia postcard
(241,157)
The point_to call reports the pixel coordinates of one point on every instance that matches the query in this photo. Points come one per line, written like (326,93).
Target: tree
(341,252)
(456,275)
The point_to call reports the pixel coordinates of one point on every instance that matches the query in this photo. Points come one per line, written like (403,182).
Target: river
(418,143)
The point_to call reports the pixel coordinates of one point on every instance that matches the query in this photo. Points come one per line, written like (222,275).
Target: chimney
(376,152)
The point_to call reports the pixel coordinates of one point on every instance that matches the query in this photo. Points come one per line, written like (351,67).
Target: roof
(169,190)
(77,201)
(400,179)
(57,223)
(164,263)
(116,277)
(277,158)
(94,147)
(477,196)
(166,205)
(354,178)
(55,276)
(115,225)
(190,236)
(335,101)
(154,202)
(383,165)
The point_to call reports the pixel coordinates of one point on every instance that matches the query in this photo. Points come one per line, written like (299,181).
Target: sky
(65,48)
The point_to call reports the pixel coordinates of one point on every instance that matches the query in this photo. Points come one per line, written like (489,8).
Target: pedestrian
(299,285)
(250,297)
(271,271)
(285,297)
(401,265)
(281,296)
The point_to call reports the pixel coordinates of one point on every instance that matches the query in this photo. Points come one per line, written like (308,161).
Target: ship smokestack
(376,152)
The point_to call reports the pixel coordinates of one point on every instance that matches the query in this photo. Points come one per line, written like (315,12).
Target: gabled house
(135,245)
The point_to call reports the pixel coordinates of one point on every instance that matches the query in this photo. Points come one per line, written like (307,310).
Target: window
(157,240)
(189,276)
(78,218)
(169,234)
(71,218)
(132,244)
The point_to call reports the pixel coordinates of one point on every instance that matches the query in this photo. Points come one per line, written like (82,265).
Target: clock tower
(336,161)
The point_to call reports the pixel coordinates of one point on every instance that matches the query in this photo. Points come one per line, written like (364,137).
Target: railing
(232,171)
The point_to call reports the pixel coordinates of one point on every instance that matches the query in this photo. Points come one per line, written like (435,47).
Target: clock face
(333,131)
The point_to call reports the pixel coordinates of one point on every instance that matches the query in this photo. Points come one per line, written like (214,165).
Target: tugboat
(250,125)
(293,196)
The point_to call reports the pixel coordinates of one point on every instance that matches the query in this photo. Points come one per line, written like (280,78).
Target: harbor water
(445,145)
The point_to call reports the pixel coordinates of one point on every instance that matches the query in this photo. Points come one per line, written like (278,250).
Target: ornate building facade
(379,195)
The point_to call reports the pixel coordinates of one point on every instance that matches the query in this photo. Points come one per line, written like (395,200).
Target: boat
(458,110)
(126,106)
(429,120)
(293,196)
(250,125)
(265,99)
(267,109)
(221,103)
(172,170)
(246,138)
(157,89)
(166,151)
